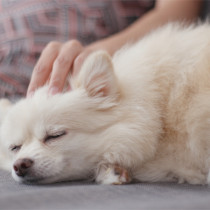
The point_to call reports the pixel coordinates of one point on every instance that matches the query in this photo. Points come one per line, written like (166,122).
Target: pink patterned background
(26,26)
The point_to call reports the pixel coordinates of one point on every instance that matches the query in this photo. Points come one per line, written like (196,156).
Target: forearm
(57,59)
(164,11)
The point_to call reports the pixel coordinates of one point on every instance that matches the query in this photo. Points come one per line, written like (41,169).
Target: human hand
(55,64)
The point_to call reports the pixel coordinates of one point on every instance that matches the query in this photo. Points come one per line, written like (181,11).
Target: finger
(43,67)
(63,64)
(78,62)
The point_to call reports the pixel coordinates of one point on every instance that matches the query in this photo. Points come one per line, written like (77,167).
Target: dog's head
(56,138)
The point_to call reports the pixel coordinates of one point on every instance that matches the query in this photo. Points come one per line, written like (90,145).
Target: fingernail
(53,91)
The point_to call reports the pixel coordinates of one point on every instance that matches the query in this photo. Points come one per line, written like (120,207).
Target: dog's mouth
(35,180)
(32,180)
(38,181)
(36,177)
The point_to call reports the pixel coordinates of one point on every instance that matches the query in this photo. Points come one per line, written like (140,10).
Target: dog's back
(170,69)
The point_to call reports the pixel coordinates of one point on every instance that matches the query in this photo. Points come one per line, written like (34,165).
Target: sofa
(83,195)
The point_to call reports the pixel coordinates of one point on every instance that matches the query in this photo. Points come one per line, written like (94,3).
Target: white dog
(143,115)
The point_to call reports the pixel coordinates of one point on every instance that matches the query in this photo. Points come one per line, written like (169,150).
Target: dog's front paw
(112,174)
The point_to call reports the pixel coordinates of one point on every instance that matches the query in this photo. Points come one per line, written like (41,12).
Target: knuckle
(74,43)
(53,45)
(39,68)
(61,61)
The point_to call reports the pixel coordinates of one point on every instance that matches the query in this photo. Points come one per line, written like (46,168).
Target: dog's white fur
(146,111)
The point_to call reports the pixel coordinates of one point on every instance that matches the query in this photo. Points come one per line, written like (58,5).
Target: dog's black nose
(21,166)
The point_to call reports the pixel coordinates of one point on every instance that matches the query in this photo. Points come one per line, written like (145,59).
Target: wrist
(111,44)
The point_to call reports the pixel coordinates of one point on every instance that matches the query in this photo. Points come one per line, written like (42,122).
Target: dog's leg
(124,153)
(112,174)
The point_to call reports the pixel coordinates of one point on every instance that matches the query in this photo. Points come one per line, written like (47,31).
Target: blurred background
(26,26)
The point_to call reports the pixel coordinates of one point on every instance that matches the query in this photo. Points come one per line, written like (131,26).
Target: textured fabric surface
(89,196)
(26,26)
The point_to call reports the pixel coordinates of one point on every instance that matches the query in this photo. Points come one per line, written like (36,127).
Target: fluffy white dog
(143,115)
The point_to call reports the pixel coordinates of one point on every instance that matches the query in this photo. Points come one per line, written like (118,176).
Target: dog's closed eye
(15,148)
(57,135)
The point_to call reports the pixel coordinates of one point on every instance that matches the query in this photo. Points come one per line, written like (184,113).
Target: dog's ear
(5,105)
(97,76)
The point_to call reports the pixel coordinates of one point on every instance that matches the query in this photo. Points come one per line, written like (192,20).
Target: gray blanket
(89,196)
